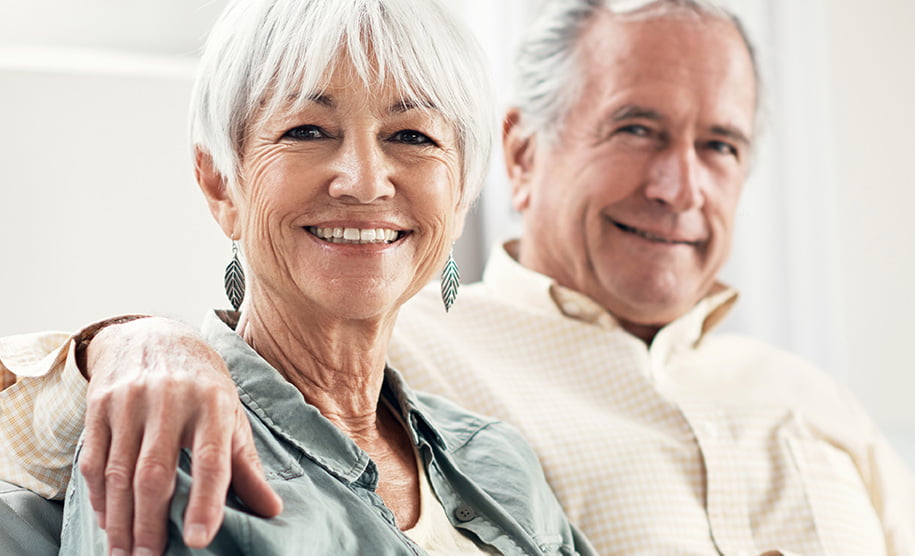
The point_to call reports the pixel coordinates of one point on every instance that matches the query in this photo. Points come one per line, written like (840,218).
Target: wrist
(83,338)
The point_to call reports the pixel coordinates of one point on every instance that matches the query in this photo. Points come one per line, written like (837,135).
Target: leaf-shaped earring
(235,279)
(451,281)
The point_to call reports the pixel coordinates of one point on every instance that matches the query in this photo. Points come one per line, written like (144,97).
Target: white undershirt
(433,532)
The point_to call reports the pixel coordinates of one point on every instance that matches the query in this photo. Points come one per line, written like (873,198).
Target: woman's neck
(337,365)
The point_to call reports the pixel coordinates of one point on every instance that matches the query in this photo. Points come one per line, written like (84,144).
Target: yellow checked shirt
(41,415)
(700,444)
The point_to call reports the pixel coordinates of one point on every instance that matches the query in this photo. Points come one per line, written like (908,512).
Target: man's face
(633,203)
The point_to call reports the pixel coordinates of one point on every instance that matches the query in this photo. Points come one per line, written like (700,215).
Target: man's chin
(652,307)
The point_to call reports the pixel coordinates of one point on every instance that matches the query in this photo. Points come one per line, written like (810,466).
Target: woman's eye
(305,133)
(412,137)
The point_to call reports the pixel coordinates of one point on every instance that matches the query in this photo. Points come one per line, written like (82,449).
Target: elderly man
(627,150)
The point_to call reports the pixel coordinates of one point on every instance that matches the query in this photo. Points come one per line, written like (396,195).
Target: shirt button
(464,513)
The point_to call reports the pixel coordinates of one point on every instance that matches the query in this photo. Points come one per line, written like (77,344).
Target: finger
(122,458)
(248,478)
(154,484)
(210,469)
(92,458)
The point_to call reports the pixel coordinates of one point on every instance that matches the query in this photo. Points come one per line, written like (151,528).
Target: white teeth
(355,235)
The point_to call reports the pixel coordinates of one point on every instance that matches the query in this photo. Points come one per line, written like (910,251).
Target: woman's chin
(359,300)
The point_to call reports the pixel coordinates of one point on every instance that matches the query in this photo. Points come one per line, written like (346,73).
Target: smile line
(651,237)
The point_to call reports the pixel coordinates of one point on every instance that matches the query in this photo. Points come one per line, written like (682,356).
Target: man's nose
(676,178)
(362,171)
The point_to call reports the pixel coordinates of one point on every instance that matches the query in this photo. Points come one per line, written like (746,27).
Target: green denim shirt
(485,475)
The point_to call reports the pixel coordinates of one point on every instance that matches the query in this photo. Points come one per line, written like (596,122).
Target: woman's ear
(460,216)
(518,149)
(216,190)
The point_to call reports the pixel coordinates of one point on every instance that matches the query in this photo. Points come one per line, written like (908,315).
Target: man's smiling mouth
(652,237)
(356,235)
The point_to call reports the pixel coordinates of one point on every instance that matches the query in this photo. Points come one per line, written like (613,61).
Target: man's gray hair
(262,54)
(547,78)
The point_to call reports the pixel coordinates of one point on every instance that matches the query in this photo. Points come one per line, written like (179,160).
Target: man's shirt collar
(517,284)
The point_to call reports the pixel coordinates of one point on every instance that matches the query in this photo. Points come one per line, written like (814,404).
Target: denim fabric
(485,475)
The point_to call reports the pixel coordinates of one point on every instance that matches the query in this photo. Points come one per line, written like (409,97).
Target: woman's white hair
(262,53)
(547,78)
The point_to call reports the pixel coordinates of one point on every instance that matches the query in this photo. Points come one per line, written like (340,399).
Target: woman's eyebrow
(407,105)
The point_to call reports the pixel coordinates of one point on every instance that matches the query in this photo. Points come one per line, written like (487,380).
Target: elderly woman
(339,143)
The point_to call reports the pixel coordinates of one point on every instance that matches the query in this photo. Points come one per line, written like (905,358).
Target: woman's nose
(363,172)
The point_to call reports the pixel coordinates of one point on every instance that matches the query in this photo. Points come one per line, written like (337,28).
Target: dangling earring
(235,279)
(451,281)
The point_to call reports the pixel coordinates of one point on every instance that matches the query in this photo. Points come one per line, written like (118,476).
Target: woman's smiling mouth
(356,235)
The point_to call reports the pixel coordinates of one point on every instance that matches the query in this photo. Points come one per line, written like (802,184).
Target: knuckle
(91,466)
(118,478)
(210,457)
(154,478)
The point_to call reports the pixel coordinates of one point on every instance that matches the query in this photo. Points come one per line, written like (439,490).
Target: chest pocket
(844,517)
(280,461)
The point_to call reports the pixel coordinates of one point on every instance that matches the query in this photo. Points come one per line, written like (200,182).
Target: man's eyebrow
(731,132)
(633,111)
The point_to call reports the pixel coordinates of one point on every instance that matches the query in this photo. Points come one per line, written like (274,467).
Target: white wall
(873,91)
(99,213)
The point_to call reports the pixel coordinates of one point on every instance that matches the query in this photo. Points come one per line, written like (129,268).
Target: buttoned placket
(726,491)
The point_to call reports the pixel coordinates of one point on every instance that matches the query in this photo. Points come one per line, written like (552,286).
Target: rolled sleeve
(41,414)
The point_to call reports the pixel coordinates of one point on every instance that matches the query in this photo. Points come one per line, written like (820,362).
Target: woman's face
(348,205)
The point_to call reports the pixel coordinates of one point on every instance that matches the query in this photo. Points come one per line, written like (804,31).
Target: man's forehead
(657,68)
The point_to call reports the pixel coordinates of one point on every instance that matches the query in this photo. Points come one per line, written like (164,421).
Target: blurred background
(99,213)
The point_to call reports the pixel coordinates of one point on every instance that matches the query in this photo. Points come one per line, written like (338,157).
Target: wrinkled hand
(155,387)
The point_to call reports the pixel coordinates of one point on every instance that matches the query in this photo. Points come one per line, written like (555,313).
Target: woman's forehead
(344,88)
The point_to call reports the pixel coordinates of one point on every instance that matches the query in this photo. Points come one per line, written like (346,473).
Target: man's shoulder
(750,348)
(776,374)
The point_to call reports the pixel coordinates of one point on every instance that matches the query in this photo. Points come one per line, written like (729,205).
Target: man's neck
(644,332)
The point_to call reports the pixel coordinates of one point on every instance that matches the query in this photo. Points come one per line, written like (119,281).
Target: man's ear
(216,190)
(518,149)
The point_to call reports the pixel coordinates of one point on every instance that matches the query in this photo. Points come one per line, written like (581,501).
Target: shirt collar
(521,285)
(283,409)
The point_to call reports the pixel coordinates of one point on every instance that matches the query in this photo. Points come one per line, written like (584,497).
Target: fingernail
(143,552)
(100,519)
(119,552)
(195,535)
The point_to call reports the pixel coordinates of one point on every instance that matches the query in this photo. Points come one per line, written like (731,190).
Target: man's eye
(306,133)
(722,147)
(636,129)
(412,137)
